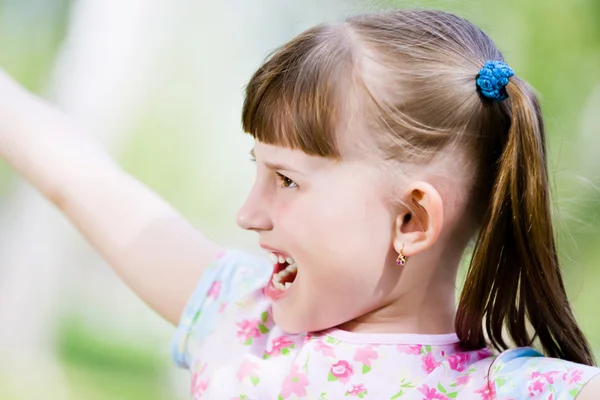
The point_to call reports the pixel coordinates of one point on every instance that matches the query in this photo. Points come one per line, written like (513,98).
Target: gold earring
(401,260)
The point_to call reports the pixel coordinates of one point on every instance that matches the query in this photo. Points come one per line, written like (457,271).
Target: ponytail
(514,276)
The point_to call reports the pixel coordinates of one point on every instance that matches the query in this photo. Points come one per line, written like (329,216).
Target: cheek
(349,237)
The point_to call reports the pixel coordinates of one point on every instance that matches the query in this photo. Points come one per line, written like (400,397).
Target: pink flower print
(483,354)
(325,349)
(365,355)
(307,337)
(429,363)
(222,307)
(341,371)
(538,381)
(199,386)
(409,349)
(535,386)
(214,290)
(247,368)
(357,390)
(431,393)
(248,330)
(463,379)
(487,391)
(280,345)
(457,361)
(294,383)
(548,376)
(573,375)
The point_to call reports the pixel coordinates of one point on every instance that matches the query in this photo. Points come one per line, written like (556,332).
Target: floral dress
(228,341)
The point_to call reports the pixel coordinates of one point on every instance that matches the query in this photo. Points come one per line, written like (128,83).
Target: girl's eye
(286,182)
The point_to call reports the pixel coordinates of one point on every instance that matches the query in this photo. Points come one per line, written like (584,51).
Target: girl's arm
(591,390)
(149,244)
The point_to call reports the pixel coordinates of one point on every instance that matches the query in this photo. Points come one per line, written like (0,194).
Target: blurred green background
(161,85)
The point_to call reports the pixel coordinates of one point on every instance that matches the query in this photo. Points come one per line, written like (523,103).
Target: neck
(423,300)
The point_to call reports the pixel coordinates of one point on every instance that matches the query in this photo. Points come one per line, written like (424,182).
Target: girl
(385,143)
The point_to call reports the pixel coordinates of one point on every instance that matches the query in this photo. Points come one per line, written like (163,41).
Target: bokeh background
(160,83)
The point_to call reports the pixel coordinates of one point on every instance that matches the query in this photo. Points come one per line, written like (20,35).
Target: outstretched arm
(150,245)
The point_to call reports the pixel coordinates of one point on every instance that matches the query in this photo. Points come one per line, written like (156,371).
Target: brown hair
(411,74)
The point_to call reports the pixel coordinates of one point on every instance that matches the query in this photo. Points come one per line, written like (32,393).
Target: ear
(419,223)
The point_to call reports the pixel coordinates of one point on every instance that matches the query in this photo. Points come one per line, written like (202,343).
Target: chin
(288,323)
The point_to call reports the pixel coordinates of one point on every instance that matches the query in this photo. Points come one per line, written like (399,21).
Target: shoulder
(526,373)
(233,280)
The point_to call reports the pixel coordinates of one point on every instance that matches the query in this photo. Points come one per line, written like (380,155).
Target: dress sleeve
(524,373)
(231,276)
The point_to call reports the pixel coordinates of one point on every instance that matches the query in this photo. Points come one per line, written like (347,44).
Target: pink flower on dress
(199,386)
(483,354)
(294,383)
(357,390)
(324,348)
(431,393)
(248,329)
(573,375)
(538,381)
(536,386)
(548,376)
(409,349)
(365,355)
(247,368)
(214,290)
(278,344)
(342,371)
(429,363)
(222,307)
(487,391)
(463,379)
(457,361)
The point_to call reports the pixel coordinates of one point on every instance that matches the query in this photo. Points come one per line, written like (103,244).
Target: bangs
(294,100)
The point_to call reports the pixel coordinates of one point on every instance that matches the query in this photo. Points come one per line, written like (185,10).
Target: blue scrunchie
(493,78)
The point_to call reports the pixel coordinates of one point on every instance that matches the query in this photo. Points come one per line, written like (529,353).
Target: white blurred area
(127,70)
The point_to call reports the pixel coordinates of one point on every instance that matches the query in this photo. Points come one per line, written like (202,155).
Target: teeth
(287,285)
(292,268)
(274,258)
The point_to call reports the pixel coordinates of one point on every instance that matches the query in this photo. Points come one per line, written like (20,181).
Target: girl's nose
(253,215)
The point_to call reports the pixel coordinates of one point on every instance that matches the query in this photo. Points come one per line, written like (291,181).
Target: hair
(410,74)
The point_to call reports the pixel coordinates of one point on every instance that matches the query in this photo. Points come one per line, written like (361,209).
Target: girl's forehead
(292,159)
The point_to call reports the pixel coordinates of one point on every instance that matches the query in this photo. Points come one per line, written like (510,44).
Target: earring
(401,260)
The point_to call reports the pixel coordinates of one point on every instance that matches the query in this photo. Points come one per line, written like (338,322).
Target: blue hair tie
(492,79)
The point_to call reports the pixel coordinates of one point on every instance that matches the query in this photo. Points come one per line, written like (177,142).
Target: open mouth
(284,272)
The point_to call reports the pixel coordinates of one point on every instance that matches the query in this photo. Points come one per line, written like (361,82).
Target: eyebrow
(275,166)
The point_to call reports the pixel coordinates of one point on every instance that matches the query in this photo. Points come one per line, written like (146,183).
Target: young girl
(385,143)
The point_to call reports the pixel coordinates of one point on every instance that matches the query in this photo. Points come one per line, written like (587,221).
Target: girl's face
(331,218)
